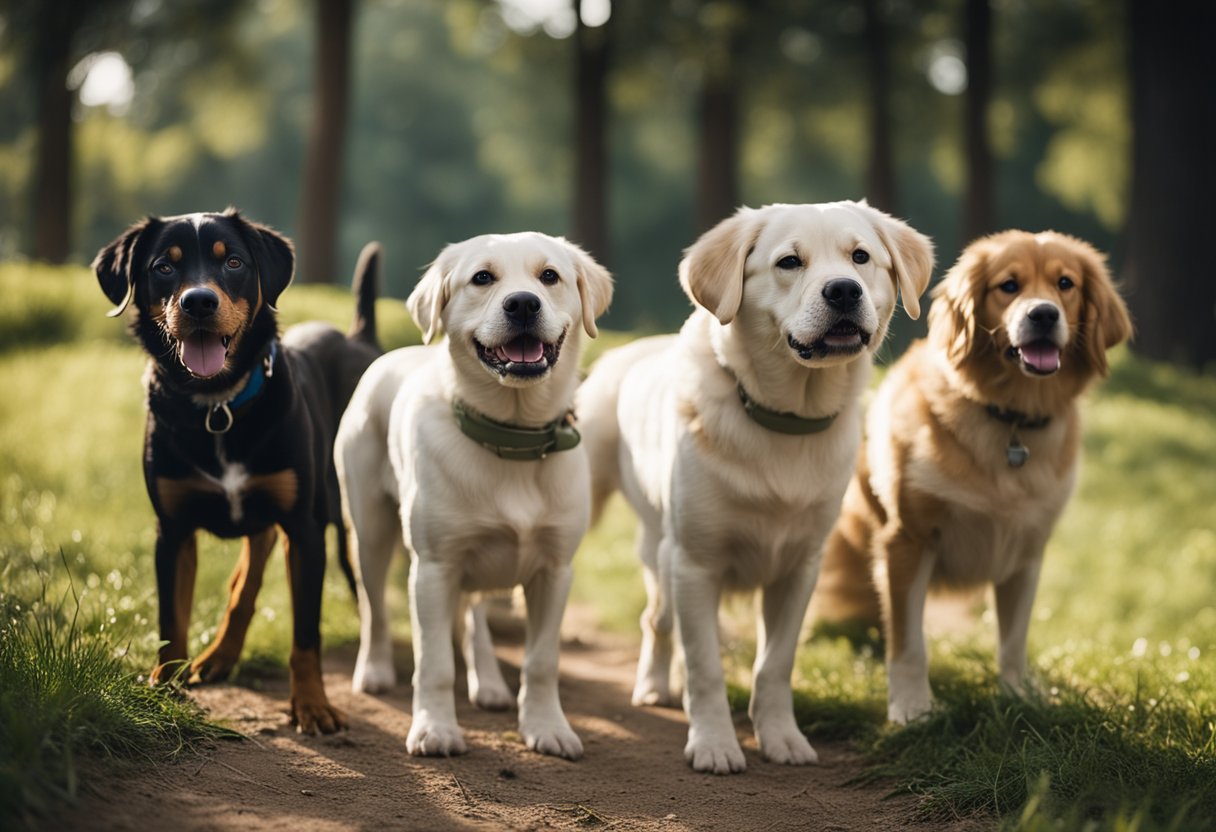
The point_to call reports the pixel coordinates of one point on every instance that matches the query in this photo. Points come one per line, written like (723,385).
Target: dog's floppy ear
(952,322)
(116,263)
(711,272)
(911,255)
(594,286)
(275,255)
(1106,321)
(433,292)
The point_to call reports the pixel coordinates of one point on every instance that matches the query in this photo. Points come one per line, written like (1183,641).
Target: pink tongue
(1043,357)
(524,349)
(203,354)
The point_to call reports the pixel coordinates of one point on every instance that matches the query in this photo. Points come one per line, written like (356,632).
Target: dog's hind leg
(176,564)
(217,661)
(541,719)
(772,708)
(375,534)
(653,685)
(1014,598)
(487,688)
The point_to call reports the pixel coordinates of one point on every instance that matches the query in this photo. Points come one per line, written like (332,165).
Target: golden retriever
(971,449)
(464,452)
(734,442)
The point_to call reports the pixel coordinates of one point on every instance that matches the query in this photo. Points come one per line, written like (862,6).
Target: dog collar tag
(1017,453)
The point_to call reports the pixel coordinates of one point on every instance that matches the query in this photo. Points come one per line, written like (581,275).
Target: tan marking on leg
(283,487)
(216,662)
(171,493)
(310,708)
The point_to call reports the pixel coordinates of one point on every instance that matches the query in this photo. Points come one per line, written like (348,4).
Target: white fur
(723,502)
(469,520)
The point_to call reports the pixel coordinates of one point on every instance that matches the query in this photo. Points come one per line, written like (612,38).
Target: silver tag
(1017,453)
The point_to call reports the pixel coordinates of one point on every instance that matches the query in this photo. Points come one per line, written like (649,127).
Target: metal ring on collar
(219,408)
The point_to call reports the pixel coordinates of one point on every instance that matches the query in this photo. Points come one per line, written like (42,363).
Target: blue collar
(257,380)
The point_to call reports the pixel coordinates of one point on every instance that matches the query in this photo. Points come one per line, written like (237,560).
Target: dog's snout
(199,302)
(1044,315)
(521,307)
(842,293)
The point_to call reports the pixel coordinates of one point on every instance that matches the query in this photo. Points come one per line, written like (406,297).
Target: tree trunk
(717,179)
(1172,295)
(978,213)
(52,178)
(322,193)
(880,171)
(591,137)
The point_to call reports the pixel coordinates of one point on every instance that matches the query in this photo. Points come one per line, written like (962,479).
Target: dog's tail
(365,286)
(846,593)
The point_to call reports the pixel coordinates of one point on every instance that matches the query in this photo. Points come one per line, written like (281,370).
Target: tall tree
(978,207)
(593,56)
(1173,297)
(320,200)
(718,116)
(880,169)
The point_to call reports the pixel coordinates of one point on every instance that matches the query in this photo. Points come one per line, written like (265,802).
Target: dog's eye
(790,261)
(233,262)
(163,268)
(548,277)
(1010,287)
(1066,282)
(482,278)
(861,256)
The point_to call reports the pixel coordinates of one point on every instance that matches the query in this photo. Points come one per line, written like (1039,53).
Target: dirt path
(633,775)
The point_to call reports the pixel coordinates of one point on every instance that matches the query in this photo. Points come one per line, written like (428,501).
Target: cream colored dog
(734,442)
(463,451)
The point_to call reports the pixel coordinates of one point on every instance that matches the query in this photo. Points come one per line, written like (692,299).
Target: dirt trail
(633,775)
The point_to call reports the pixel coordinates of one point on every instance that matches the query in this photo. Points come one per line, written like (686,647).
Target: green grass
(1122,645)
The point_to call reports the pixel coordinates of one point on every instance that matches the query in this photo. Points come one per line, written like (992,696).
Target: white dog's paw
(903,710)
(552,736)
(719,754)
(372,676)
(648,692)
(491,696)
(432,738)
(786,745)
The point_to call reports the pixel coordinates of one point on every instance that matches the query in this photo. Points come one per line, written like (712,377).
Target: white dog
(465,452)
(734,442)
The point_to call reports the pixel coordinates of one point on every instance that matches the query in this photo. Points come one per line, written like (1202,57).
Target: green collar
(511,442)
(775,420)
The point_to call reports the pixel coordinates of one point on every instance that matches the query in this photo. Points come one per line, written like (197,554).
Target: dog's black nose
(842,293)
(521,307)
(199,302)
(1044,315)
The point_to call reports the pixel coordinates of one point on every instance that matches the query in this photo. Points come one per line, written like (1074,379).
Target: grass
(1121,737)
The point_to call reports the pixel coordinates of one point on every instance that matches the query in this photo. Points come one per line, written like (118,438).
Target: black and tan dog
(241,425)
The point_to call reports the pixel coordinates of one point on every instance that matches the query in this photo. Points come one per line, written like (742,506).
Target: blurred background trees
(629,126)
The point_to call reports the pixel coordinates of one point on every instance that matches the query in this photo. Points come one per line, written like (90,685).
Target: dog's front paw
(311,715)
(373,676)
(552,736)
(491,696)
(785,745)
(716,753)
(167,672)
(431,738)
(903,710)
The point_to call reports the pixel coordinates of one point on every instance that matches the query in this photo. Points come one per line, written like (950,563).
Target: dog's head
(201,284)
(1020,305)
(823,276)
(509,302)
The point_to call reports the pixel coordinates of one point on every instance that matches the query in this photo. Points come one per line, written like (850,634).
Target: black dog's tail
(364,286)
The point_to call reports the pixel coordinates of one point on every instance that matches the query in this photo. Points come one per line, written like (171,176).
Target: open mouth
(844,338)
(1040,358)
(524,355)
(204,352)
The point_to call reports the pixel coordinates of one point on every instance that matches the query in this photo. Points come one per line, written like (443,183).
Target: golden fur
(935,500)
